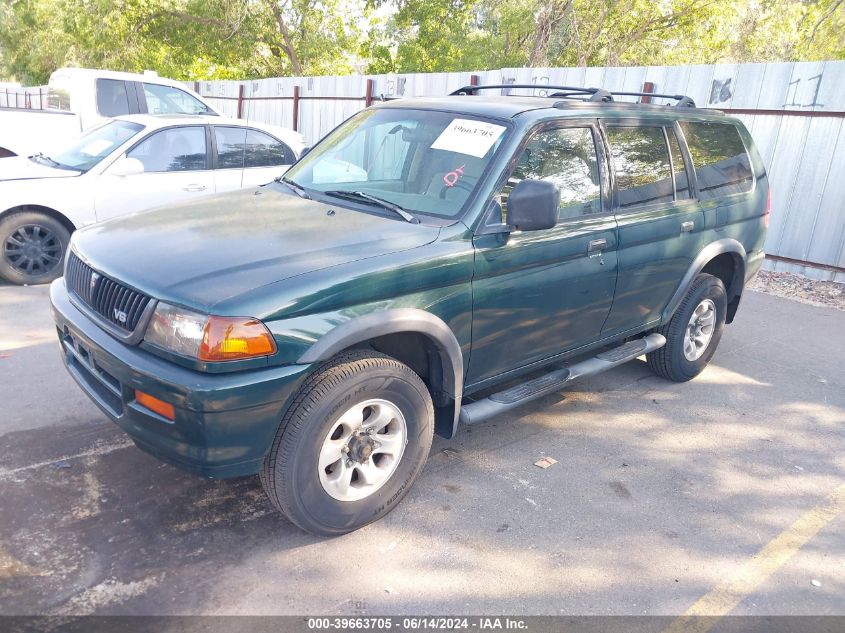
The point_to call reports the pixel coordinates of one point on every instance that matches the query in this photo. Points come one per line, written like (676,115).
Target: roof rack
(574,92)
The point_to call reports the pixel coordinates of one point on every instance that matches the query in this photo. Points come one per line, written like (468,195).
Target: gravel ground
(800,288)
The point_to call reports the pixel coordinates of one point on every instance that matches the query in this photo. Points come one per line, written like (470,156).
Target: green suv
(430,263)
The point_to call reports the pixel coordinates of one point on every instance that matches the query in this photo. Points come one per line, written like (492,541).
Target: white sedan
(127,164)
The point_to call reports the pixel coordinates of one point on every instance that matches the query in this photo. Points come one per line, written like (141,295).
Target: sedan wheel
(32,247)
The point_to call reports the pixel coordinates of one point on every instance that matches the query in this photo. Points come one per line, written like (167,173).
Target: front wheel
(693,332)
(32,248)
(351,445)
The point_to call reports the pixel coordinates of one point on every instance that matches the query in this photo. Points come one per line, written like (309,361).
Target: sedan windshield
(89,149)
(422,161)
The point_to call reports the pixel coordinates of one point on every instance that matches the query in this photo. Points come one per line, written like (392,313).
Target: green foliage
(429,35)
(221,39)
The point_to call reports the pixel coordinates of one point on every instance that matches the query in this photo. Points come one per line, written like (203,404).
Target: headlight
(208,338)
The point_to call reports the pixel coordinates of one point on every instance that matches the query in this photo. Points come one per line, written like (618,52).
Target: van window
(58,92)
(566,157)
(173,149)
(170,100)
(112,99)
(681,182)
(722,165)
(641,164)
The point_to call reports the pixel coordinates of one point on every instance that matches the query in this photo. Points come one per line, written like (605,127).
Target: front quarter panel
(434,278)
(69,196)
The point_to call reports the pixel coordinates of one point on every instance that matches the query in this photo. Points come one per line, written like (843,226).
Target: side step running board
(555,380)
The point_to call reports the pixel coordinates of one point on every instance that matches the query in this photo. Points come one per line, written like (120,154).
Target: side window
(239,147)
(230,146)
(262,150)
(641,164)
(173,149)
(112,99)
(681,182)
(170,100)
(722,166)
(567,157)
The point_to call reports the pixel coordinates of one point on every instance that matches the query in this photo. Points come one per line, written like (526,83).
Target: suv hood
(21,168)
(200,253)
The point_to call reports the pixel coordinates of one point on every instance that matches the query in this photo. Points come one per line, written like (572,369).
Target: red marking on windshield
(452,178)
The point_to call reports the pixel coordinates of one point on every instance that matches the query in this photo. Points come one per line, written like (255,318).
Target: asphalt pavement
(725,494)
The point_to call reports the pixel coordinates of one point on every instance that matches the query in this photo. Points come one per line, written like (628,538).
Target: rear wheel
(354,440)
(32,248)
(693,332)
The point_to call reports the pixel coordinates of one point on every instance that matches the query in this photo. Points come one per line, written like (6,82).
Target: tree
(491,33)
(183,39)
(214,39)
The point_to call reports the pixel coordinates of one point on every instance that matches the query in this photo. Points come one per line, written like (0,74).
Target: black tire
(669,361)
(53,238)
(290,473)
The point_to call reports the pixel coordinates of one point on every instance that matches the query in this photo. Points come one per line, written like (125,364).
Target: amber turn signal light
(164,409)
(233,338)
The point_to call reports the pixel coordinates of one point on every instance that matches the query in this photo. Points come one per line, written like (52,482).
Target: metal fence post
(368,98)
(240,100)
(296,108)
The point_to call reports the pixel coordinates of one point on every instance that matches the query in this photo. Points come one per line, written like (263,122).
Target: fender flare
(719,247)
(397,321)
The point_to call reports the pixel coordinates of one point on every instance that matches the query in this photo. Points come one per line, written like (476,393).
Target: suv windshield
(423,161)
(91,148)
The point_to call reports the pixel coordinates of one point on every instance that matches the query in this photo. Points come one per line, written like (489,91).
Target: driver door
(176,170)
(537,294)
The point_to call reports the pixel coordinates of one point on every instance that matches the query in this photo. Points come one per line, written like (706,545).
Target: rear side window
(112,99)
(642,167)
(722,166)
(230,146)
(242,147)
(566,157)
(262,150)
(173,149)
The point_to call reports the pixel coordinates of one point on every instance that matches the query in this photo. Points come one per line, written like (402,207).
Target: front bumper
(225,423)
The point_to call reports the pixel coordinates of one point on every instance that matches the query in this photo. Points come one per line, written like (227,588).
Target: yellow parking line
(704,614)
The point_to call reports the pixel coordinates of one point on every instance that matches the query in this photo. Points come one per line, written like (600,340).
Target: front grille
(117,304)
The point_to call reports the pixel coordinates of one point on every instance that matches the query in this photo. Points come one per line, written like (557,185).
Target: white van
(77,99)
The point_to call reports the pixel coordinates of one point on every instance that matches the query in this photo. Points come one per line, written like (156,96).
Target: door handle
(687,227)
(194,188)
(596,245)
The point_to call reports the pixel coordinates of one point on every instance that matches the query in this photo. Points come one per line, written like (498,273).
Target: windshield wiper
(385,204)
(44,158)
(297,189)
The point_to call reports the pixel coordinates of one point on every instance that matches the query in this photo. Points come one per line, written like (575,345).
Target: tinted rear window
(719,157)
(111,97)
(641,163)
(239,147)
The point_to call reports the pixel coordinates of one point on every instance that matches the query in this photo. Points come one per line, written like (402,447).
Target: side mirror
(127,167)
(533,205)
(304,151)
